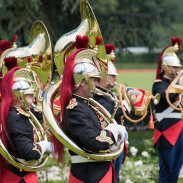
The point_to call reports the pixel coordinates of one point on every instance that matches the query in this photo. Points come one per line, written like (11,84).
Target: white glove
(125,104)
(117,130)
(123,133)
(113,128)
(126,137)
(45,147)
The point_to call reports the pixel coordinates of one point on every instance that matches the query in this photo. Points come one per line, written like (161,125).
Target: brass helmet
(83,63)
(24,83)
(169,57)
(110,51)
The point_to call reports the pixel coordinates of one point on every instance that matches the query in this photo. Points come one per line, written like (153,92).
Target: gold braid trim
(103,138)
(35,149)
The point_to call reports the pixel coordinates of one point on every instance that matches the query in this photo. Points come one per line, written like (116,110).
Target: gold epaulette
(100,94)
(21,111)
(72,103)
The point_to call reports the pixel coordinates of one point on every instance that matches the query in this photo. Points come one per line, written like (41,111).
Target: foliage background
(123,22)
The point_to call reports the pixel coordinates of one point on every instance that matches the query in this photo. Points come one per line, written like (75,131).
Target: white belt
(168,113)
(81,159)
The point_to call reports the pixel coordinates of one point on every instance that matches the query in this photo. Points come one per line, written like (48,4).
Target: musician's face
(175,70)
(111,79)
(86,90)
(30,99)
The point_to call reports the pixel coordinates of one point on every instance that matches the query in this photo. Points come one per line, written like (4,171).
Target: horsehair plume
(10,62)
(176,40)
(14,38)
(6,98)
(29,59)
(4,45)
(82,42)
(98,41)
(109,48)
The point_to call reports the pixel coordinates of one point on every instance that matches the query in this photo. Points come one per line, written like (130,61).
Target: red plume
(29,59)
(158,71)
(109,48)
(49,57)
(98,41)
(14,38)
(10,62)
(40,59)
(82,42)
(4,45)
(176,40)
(6,99)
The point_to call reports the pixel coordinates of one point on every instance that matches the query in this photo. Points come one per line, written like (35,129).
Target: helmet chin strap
(89,83)
(167,68)
(173,75)
(105,79)
(25,101)
(22,95)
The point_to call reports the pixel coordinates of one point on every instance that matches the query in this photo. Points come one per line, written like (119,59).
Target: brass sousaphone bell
(36,60)
(89,27)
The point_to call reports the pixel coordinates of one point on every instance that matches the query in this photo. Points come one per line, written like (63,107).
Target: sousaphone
(89,27)
(36,58)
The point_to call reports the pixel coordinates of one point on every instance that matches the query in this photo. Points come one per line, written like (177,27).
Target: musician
(168,135)
(80,121)
(105,85)
(18,134)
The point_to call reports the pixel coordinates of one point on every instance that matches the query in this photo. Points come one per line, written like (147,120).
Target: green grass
(142,80)
(135,65)
(136,138)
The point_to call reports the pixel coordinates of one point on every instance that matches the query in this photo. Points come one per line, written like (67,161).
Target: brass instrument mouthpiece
(117,84)
(35,107)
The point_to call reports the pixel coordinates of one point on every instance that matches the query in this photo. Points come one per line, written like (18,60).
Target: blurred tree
(143,23)
(122,22)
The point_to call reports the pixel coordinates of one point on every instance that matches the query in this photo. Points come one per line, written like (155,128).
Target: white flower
(133,150)
(138,163)
(129,165)
(145,154)
(128,181)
